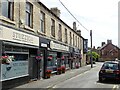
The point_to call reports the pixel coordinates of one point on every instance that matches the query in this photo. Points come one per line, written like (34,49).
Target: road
(88,79)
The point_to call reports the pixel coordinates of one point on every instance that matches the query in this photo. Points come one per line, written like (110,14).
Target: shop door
(33,67)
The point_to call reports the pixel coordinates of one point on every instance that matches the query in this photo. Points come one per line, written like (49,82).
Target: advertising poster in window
(14,69)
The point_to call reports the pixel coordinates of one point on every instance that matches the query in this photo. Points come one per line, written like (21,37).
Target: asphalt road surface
(88,79)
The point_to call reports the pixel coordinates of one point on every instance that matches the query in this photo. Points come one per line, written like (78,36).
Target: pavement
(56,79)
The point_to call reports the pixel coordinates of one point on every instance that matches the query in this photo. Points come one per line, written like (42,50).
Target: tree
(95,55)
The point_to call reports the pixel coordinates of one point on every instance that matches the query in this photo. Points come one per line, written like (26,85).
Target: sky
(100,16)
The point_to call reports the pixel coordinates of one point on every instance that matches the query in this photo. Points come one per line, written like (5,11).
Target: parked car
(110,70)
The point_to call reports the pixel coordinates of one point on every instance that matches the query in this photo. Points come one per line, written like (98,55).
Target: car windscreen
(113,66)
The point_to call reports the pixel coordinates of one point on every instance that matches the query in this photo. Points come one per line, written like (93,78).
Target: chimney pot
(56,11)
(103,43)
(109,41)
(74,26)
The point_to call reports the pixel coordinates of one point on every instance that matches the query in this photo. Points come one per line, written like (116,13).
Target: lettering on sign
(43,45)
(54,45)
(22,37)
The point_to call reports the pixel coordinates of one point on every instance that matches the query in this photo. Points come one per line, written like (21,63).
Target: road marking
(48,87)
(115,87)
(85,72)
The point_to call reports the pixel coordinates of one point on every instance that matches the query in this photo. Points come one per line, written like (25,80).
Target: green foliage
(94,55)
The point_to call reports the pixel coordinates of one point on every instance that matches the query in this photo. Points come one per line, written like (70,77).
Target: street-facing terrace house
(108,51)
(34,39)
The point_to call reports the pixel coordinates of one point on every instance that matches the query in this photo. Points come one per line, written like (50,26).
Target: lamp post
(91,59)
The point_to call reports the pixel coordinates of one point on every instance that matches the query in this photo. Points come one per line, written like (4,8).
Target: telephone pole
(91,59)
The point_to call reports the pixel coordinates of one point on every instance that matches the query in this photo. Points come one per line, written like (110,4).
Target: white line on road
(115,87)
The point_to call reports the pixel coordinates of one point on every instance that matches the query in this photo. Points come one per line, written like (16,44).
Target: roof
(102,47)
(105,45)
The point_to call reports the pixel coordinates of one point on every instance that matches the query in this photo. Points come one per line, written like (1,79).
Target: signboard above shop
(58,46)
(10,34)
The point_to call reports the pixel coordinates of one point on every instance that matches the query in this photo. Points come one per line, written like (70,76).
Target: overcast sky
(100,16)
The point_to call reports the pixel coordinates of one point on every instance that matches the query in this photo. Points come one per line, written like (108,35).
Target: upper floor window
(76,40)
(73,40)
(65,35)
(29,16)
(70,39)
(8,8)
(42,22)
(53,27)
(60,33)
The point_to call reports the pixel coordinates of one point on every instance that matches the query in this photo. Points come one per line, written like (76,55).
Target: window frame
(70,38)
(42,22)
(29,14)
(9,12)
(73,40)
(66,41)
(60,32)
(53,27)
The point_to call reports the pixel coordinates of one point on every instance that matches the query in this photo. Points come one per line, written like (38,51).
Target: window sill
(28,28)
(41,33)
(52,37)
(5,19)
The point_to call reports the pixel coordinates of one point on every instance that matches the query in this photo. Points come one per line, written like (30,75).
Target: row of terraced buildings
(34,39)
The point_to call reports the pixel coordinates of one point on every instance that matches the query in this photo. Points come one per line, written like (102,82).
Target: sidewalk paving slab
(55,79)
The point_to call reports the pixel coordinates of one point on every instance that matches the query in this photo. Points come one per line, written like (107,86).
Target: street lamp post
(91,59)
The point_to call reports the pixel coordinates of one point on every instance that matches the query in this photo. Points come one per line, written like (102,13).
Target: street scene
(84,77)
(54,44)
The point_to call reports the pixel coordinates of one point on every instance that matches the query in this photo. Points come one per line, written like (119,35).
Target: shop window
(49,58)
(16,49)
(7,48)
(8,8)
(14,65)
(10,48)
(63,62)
(53,61)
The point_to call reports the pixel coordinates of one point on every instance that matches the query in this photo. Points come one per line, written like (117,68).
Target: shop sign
(20,37)
(14,70)
(57,46)
(43,45)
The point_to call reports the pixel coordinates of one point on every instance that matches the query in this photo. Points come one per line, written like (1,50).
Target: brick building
(108,51)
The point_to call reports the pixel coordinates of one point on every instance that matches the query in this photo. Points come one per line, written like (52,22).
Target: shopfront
(44,46)
(18,50)
(59,54)
(71,57)
(77,57)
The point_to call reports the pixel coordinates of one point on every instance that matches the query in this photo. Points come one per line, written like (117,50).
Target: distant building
(108,51)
